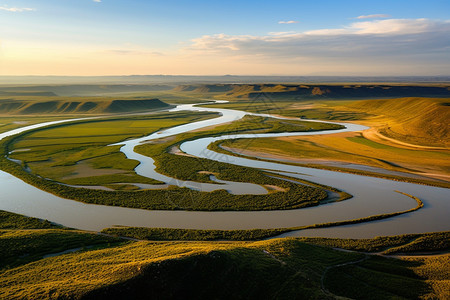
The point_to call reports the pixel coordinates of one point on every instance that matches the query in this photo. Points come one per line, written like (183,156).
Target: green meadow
(75,153)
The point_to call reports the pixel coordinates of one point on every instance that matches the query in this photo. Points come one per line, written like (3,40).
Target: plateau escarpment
(74,106)
(317,91)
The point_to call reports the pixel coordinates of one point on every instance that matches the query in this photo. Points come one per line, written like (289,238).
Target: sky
(137,37)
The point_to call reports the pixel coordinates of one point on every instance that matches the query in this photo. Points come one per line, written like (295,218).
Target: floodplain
(403,143)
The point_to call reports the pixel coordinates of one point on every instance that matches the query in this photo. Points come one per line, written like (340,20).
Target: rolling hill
(308,91)
(416,120)
(79,89)
(41,260)
(95,106)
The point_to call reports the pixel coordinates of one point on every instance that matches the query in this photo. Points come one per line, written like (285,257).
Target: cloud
(413,40)
(282,33)
(16,9)
(375,16)
(133,52)
(98,1)
(288,22)
(390,26)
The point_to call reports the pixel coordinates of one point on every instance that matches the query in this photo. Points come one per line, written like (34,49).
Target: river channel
(372,196)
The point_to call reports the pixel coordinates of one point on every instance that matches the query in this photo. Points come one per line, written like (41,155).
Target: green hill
(94,106)
(416,120)
(61,263)
(276,269)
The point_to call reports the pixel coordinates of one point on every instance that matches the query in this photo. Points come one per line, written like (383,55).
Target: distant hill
(29,107)
(307,92)
(79,89)
(27,93)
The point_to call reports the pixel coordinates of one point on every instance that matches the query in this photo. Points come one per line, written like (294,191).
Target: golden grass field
(407,135)
(162,269)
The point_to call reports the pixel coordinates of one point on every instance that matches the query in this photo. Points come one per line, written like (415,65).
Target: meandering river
(371,195)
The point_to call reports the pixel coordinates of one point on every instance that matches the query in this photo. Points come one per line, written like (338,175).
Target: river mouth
(371,196)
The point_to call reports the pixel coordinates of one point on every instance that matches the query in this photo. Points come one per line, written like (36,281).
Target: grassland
(39,105)
(34,266)
(347,152)
(78,154)
(408,243)
(417,121)
(24,240)
(280,268)
(9,123)
(14,221)
(19,247)
(386,146)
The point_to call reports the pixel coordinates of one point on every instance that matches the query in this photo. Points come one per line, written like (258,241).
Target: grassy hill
(316,91)
(422,122)
(416,120)
(58,263)
(78,105)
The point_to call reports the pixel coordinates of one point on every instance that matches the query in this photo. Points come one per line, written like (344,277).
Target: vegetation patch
(424,123)
(18,247)
(14,221)
(309,149)
(168,234)
(63,151)
(395,281)
(408,243)
(283,268)
(26,239)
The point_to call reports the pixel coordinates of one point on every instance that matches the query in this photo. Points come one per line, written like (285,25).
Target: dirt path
(274,257)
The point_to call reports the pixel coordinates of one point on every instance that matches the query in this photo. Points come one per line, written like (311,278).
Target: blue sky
(113,37)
